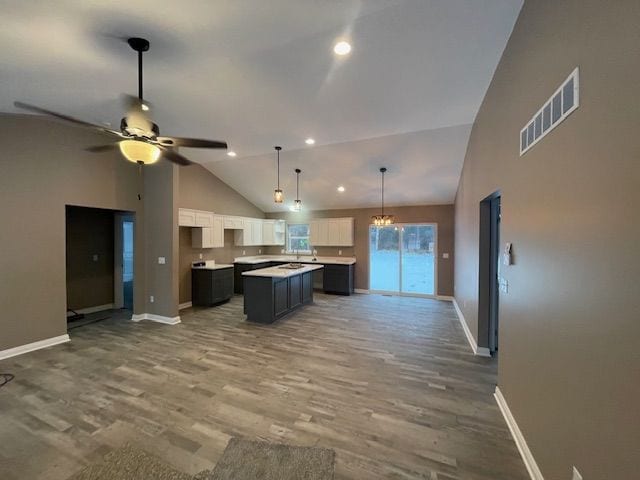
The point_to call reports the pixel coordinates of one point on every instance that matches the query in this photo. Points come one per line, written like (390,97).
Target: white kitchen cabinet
(204,219)
(331,232)
(273,232)
(209,237)
(186,217)
(345,232)
(256,233)
(233,223)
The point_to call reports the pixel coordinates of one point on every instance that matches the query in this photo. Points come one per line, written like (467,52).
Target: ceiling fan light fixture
(137,151)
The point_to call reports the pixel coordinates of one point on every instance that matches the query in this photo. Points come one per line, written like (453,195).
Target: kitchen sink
(291,266)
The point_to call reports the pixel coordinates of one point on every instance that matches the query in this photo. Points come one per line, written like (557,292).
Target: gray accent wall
(202,190)
(570,322)
(440,214)
(44,168)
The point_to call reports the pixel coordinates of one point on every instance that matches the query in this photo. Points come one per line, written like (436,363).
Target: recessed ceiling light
(341,189)
(145,107)
(342,48)
(309,141)
(231,153)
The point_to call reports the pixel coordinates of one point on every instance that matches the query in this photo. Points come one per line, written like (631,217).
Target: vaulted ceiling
(259,73)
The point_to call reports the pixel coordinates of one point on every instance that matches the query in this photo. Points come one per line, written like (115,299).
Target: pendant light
(297,203)
(382,219)
(278,196)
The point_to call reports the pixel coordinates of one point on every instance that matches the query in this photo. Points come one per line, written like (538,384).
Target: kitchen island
(338,275)
(271,293)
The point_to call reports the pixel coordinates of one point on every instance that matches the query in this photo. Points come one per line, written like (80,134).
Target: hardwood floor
(389,383)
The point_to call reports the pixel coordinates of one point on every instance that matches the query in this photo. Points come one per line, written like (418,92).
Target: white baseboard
(361,290)
(155,318)
(30,347)
(184,305)
(445,298)
(521,443)
(480,351)
(97,308)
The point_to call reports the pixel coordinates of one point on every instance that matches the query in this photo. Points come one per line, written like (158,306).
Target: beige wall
(43,168)
(89,232)
(440,214)
(202,190)
(569,325)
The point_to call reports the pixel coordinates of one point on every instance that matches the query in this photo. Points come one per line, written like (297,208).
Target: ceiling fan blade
(190,142)
(174,157)
(66,118)
(102,148)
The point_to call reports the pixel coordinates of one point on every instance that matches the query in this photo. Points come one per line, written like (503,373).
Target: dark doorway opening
(489,273)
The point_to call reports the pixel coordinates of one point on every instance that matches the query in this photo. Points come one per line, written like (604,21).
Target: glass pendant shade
(297,205)
(278,194)
(382,219)
(137,151)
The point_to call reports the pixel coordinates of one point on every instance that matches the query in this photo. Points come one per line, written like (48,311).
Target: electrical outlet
(339,252)
(259,251)
(151,299)
(576,474)
(282,251)
(445,255)
(95,257)
(244,252)
(200,256)
(504,285)
(162,260)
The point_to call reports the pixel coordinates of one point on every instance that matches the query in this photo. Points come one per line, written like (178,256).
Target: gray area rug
(129,463)
(248,460)
(241,460)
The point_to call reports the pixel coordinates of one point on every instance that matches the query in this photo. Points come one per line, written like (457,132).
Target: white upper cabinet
(331,232)
(233,223)
(204,219)
(209,237)
(273,232)
(251,233)
(186,217)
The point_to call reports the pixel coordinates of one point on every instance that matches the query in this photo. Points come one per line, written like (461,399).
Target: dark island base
(266,299)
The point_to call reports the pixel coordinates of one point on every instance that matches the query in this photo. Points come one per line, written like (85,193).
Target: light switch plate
(151,299)
(339,252)
(95,257)
(445,255)
(200,256)
(576,474)
(162,260)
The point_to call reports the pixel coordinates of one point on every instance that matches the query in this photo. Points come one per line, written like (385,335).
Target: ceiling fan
(139,138)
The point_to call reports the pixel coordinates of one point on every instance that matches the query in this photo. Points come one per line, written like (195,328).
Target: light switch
(445,255)
(95,257)
(162,260)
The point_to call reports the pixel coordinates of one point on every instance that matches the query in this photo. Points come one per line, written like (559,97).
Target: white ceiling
(259,73)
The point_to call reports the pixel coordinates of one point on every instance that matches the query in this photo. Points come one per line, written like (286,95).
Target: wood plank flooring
(388,382)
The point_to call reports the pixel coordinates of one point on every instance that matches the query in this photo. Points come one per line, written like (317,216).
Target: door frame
(488,284)
(435,261)
(118,286)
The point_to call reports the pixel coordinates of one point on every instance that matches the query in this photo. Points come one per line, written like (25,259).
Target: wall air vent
(564,101)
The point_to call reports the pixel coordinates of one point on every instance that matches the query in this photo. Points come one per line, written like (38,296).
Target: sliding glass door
(402,259)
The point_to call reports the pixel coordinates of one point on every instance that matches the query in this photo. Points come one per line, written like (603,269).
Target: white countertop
(211,265)
(292,258)
(277,272)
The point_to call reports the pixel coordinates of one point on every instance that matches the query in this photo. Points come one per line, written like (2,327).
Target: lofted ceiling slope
(259,73)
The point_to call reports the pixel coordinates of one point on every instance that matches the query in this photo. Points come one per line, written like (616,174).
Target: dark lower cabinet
(266,298)
(295,291)
(239,268)
(280,297)
(338,279)
(210,287)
